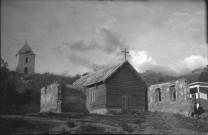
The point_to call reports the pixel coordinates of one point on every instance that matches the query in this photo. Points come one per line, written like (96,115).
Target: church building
(117,88)
(26,61)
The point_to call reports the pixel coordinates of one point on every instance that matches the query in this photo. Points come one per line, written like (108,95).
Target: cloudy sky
(71,37)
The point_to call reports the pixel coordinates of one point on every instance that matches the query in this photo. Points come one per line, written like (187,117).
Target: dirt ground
(137,123)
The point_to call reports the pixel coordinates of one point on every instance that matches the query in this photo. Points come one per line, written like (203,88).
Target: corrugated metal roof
(98,76)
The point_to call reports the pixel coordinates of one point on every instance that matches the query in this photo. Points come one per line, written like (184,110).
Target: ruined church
(26,61)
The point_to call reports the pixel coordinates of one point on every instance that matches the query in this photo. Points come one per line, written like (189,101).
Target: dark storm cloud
(113,43)
(78,60)
(96,67)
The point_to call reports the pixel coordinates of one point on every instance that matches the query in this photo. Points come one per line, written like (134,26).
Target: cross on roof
(125,52)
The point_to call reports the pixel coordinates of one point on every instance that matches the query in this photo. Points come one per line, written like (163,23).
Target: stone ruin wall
(50,99)
(182,105)
(59,98)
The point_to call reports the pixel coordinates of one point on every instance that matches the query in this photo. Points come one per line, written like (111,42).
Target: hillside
(36,81)
(20,93)
(192,77)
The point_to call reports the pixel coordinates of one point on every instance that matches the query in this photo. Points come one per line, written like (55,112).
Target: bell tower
(26,61)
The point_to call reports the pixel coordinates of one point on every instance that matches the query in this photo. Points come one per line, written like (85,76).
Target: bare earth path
(35,118)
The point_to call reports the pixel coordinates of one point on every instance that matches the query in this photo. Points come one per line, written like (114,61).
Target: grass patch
(138,121)
(70,124)
(20,125)
(126,127)
(90,129)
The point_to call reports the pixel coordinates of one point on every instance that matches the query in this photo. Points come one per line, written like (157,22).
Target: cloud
(52,26)
(87,65)
(194,62)
(191,26)
(112,42)
(79,60)
(81,46)
(181,14)
(140,58)
(142,62)
(57,49)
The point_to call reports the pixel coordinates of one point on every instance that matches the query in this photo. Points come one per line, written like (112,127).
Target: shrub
(15,125)
(50,113)
(70,124)
(90,129)
(22,126)
(19,109)
(138,121)
(126,127)
(112,112)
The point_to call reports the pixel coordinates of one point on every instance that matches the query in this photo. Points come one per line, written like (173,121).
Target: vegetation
(126,127)
(142,123)
(203,77)
(20,93)
(152,77)
(191,77)
(20,125)
(90,129)
(70,124)
(7,93)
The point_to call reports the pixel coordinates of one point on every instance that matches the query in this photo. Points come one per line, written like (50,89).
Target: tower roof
(25,49)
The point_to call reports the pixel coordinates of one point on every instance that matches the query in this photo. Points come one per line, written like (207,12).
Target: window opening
(93,96)
(172,93)
(26,60)
(157,95)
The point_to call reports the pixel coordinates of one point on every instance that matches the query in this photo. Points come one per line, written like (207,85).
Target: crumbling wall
(50,98)
(182,105)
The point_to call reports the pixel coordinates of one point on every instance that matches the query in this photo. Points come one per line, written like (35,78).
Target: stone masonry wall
(182,105)
(50,99)
(22,64)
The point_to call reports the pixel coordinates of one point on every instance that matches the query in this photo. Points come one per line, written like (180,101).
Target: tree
(7,92)
(152,77)
(203,77)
